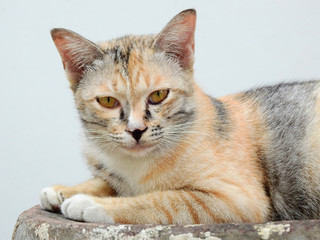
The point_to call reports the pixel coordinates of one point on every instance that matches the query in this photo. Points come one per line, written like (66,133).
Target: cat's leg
(168,207)
(51,198)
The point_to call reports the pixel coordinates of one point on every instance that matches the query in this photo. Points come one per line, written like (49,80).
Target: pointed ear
(76,53)
(177,38)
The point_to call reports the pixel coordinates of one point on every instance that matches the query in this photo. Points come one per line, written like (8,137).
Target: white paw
(83,208)
(50,199)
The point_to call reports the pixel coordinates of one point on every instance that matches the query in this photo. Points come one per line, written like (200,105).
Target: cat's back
(284,95)
(288,117)
(289,111)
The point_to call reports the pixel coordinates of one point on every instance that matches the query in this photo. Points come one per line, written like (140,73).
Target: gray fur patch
(97,122)
(99,167)
(116,177)
(182,116)
(120,55)
(222,119)
(122,116)
(287,108)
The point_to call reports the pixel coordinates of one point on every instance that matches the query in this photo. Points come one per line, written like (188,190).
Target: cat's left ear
(177,38)
(76,53)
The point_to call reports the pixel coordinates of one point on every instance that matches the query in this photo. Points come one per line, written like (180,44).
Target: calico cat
(162,151)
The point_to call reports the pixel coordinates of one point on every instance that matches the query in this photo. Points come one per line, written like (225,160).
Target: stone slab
(36,224)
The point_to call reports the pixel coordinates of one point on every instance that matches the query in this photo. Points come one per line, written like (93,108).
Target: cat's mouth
(138,148)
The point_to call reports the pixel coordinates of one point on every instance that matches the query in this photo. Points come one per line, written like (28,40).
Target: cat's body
(162,151)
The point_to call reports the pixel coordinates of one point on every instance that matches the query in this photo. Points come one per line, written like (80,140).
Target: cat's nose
(137,133)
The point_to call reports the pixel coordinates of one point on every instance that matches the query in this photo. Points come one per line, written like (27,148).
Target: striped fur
(248,157)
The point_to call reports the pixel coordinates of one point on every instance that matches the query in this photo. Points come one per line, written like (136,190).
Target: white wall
(239,44)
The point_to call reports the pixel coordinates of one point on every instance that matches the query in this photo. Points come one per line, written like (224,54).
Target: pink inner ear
(76,53)
(73,71)
(177,38)
(68,59)
(188,45)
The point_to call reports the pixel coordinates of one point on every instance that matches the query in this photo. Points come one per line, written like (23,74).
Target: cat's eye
(158,96)
(108,102)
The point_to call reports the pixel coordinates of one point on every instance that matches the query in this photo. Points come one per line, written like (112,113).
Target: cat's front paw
(51,199)
(83,208)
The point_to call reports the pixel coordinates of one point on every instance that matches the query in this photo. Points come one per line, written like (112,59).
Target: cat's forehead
(132,68)
(132,75)
(128,54)
(126,43)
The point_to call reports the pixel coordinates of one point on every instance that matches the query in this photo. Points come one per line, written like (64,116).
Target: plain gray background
(239,44)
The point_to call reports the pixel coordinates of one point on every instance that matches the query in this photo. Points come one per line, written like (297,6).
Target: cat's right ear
(76,53)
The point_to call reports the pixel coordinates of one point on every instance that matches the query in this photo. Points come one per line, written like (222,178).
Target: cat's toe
(50,199)
(83,208)
(97,214)
(73,207)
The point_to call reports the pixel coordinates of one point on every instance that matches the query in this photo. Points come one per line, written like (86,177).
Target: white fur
(83,208)
(50,199)
(134,123)
(127,167)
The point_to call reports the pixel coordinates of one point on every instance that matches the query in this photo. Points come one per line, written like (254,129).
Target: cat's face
(134,94)
(138,107)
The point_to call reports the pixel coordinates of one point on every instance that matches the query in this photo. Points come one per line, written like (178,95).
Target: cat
(161,151)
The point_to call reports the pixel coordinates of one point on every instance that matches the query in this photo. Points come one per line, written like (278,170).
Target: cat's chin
(138,150)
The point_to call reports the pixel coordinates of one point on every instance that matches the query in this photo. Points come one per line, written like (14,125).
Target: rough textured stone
(38,224)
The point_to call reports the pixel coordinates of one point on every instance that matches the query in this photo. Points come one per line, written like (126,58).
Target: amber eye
(108,102)
(158,96)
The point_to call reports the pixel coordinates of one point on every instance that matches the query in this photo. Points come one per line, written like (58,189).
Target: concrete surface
(38,224)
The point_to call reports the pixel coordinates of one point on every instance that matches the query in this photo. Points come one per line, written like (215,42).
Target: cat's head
(134,94)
